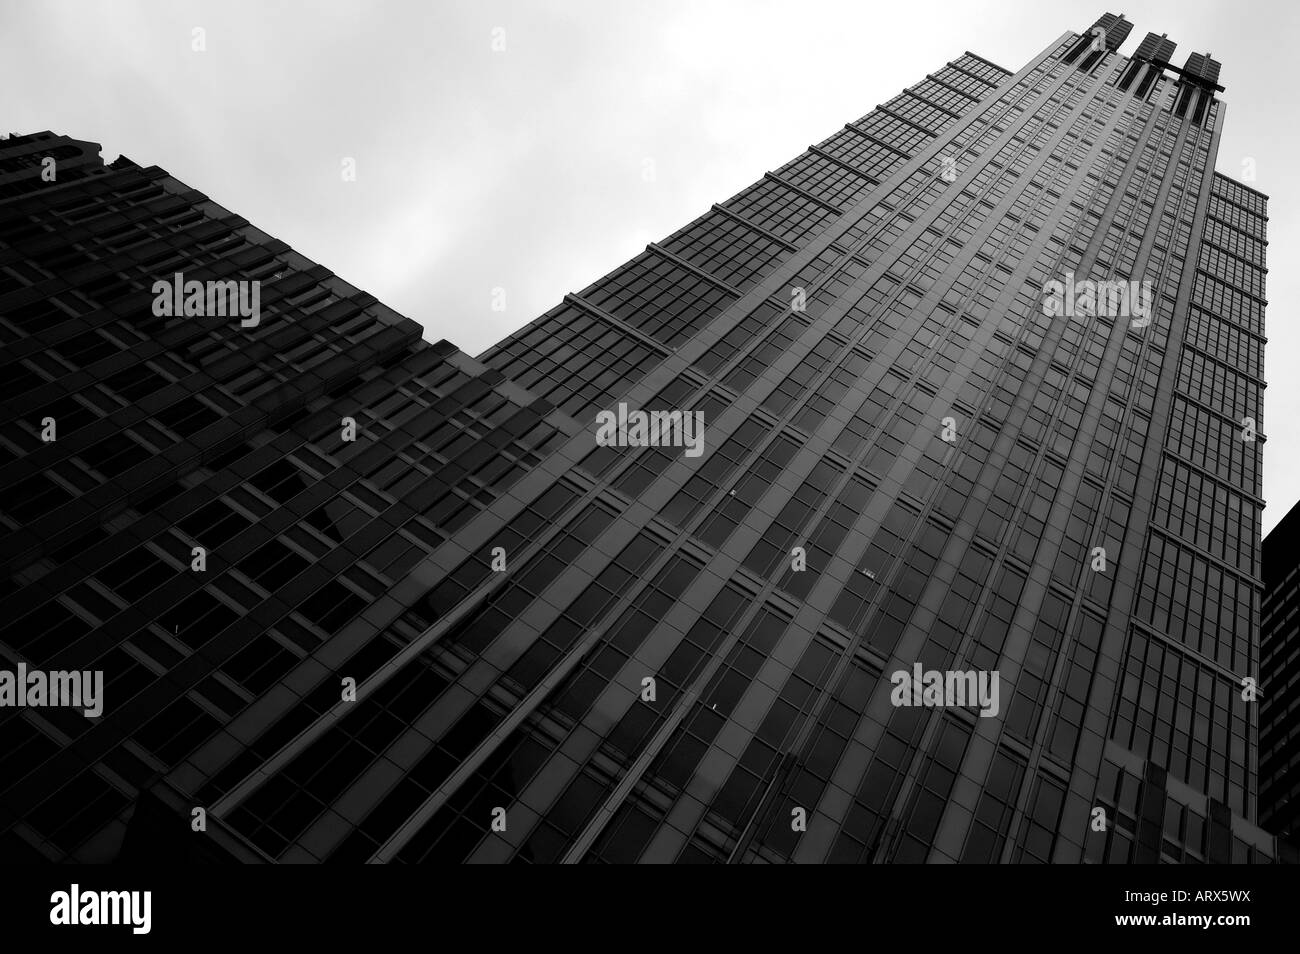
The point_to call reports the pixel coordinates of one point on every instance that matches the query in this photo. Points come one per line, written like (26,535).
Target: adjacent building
(966,567)
(1279,732)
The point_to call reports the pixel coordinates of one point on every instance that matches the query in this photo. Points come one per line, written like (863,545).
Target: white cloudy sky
(522,169)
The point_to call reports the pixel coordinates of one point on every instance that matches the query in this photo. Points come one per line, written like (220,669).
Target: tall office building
(1279,724)
(975,375)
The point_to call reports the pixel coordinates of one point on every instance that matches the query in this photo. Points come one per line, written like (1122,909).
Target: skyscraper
(1279,742)
(965,567)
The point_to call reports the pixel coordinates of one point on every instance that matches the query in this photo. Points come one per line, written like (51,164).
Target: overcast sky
(522,168)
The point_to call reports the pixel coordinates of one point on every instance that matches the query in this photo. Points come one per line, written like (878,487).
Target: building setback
(361,598)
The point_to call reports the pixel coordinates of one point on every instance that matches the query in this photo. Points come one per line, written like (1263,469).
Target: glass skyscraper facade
(438,620)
